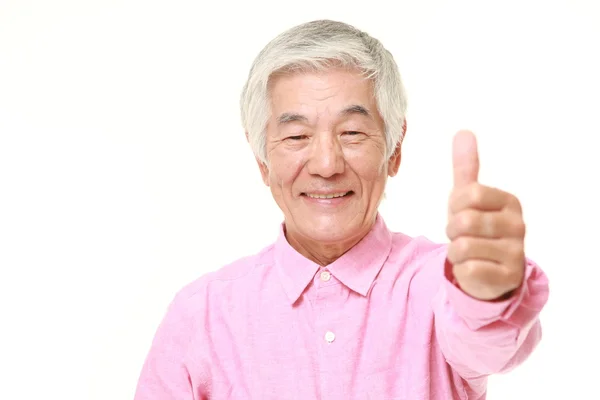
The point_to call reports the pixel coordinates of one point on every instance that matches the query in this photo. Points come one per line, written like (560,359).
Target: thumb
(465,158)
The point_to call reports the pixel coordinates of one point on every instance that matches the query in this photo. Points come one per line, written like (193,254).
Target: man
(339,307)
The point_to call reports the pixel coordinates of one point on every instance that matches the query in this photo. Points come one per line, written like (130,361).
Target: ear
(264,171)
(394,161)
(396,158)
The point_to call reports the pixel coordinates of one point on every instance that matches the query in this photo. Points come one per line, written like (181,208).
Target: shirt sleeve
(164,374)
(479,338)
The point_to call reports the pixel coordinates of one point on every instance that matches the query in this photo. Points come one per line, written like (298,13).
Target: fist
(485,228)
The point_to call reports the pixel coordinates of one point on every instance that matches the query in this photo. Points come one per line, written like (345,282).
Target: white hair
(320,45)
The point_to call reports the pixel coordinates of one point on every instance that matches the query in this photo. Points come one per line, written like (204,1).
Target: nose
(326,156)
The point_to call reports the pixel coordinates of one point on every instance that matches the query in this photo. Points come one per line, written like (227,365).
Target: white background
(125,174)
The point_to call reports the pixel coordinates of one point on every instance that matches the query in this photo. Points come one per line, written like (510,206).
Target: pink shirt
(381,322)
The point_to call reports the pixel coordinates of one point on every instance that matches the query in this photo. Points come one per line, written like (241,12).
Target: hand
(485,228)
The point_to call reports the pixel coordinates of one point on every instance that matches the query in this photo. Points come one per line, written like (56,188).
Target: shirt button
(330,337)
(325,276)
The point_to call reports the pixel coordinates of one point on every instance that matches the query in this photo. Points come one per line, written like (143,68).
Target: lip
(326,191)
(333,202)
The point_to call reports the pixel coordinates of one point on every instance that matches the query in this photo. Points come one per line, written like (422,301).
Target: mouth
(332,195)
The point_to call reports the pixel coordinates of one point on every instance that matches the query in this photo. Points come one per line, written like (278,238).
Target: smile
(327,196)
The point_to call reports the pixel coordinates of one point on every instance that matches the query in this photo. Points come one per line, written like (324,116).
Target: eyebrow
(355,109)
(286,117)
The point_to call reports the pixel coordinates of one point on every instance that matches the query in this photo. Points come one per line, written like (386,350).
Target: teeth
(326,196)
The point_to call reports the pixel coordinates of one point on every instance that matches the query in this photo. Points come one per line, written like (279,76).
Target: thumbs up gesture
(485,228)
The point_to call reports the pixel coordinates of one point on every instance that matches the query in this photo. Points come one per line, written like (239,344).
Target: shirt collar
(356,269)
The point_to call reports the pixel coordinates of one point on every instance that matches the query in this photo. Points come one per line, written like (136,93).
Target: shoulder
(417,250)
(414,268)
(417,261)
(233,277)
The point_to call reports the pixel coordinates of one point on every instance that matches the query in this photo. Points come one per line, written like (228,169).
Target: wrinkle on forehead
(322,83)
(322,95)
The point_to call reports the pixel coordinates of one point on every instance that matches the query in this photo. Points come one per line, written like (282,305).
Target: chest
(332,343)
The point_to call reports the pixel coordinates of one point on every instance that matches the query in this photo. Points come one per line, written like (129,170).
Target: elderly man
(340,307)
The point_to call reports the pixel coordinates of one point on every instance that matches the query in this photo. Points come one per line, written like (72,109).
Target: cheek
(283,172)
(369,166)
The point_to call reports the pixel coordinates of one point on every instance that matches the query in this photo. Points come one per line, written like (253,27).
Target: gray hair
(319,45)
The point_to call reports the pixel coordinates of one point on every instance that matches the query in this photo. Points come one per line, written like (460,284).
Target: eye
(352,133)
(297,137)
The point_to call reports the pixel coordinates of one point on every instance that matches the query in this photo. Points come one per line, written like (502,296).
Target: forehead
(320,92)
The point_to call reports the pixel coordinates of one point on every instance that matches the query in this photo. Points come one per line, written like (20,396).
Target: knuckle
(518,227)
(476,194)
(462,246)
(453,228)
(492,225)
(452,253)
(453,200)
(466,221)
(517,248)
(449,232)
(512,276)
(459,250)
(515,204)
(512,224)
(521,229)
(514,253)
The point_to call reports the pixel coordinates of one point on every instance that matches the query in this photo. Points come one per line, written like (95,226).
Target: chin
(330,228)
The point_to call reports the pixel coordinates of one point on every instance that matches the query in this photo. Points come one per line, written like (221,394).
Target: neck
(323,253)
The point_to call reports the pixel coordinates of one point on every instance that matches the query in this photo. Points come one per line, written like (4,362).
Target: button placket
(330,337)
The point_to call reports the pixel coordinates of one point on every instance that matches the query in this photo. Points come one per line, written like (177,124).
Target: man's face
(326,151)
